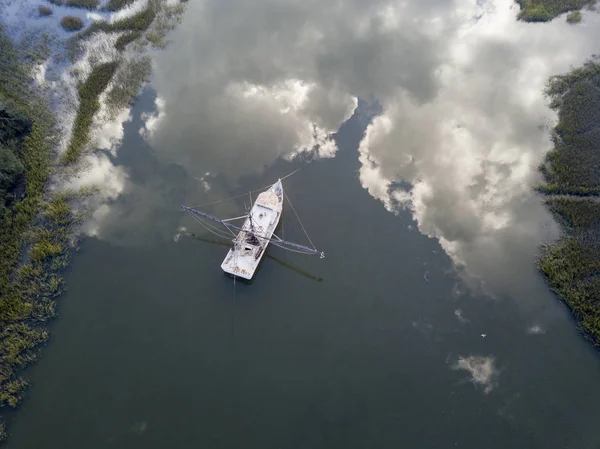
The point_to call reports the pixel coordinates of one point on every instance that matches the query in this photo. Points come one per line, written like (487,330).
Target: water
(156,348)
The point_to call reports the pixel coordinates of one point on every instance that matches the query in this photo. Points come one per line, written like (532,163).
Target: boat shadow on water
(241,280)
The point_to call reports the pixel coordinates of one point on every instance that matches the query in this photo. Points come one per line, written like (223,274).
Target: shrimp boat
(255,234)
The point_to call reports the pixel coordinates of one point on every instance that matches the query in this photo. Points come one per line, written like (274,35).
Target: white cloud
(470,154)
(482,371)
(99,171)
(460,84)
(108,132)
(152,119)
(535,329)
(458,313)
(246,125)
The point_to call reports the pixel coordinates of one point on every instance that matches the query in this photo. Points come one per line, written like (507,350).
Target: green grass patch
(128,82)
(126,39)
(43,249)
(71,23)
(89,92)
(138,22)
(546,10)
(84,4)
(116,5)
(574,17)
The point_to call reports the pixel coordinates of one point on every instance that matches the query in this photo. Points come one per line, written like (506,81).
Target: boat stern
(238,266)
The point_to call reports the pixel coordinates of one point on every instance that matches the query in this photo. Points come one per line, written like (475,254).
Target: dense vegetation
(546,10)
(30,227)
(14,126)
(572,170)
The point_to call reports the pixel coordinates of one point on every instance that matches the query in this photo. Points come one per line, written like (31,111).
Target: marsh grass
(127,83)
(129,79)
(138,22)
(126,39)
(156,20)
(30,229)
(572,171)
(89,92)
(546,10)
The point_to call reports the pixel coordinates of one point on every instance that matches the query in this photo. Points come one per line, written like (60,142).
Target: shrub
(45,11)
(574,17)
(70,23)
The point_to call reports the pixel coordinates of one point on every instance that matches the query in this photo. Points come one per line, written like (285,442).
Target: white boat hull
(251,243)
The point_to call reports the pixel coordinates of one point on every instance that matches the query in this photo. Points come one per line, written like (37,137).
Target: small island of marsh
(572,174)
(546,10)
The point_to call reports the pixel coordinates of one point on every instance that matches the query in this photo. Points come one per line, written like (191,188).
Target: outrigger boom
(255,234)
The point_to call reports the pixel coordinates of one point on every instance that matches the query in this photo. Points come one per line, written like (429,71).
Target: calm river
(428,327)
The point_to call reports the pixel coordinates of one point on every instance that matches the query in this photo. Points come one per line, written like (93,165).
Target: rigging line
(210,230)
(252,191)
(290,249)
(223,236)
(214,228)
(299,221)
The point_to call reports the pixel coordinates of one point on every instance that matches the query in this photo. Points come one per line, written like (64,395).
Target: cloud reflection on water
(460,84)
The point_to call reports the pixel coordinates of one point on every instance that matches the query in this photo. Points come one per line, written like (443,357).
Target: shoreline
(548,10)
(571,185)
(45,203)
(571,265)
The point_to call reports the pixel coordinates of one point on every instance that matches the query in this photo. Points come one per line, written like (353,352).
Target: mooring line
(233,309)
(252,191)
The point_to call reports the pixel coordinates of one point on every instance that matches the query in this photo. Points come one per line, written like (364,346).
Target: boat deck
(251,243)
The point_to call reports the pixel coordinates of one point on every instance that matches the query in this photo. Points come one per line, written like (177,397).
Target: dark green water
(156,348)
(153,349)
